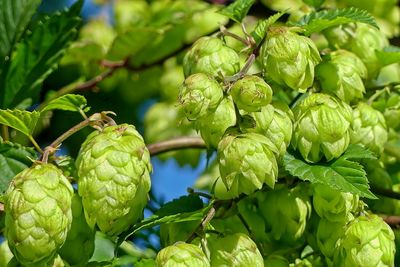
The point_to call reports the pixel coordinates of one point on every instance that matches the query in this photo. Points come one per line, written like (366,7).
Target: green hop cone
(251,93)
(287,227)
(181,255)
(333,205)
(361,39)
(328,235)
(275,122)
(211,56)
(369,128)
(114,180)
(289,59)
(79,246)
(246,163)
(213,126)
(234,250)
(38,213)
(341,73)
(321,128)
(200,95)
(368,241)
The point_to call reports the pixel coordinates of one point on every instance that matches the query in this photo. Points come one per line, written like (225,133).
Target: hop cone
(368,241)
(213,126)
(369,128)
(328,235)
(251,93)
(38,213)
(246,163)
(289,59)
(235,250)
(200,95)
(321,128)
(211,56)
(361,39)
(79,246)
(341,73)
(275,122)
(288,226)
(113,169)
(181,254)
(333,205)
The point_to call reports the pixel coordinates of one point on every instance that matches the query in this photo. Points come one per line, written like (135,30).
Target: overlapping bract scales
(38,213)
(113,169)
(181,254)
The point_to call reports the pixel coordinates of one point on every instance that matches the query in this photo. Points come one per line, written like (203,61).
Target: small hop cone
(321,128)
(114,178)
(368,241)
(333,205)
(181,254)
(289,59)
(251,93)
(213,126)
(236,250)
(211,56)
(369,128)
(79,246)
(199,96)
(276,123)
(361,39)
(287,227)
(328,235)
(38,213)
(246,163)
(341,73)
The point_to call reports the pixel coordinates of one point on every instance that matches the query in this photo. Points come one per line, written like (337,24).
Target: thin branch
(176,144)
(203,224)
(385,192)
(392,220)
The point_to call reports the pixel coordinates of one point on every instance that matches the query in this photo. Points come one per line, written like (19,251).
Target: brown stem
(392,220)
(175,144)
(204,222)
(385,192)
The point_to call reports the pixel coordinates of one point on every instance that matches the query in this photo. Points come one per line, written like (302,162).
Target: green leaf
(341,174)
(389,55)
(21,120)
(14,158)
(131,42)
(321,20)
(238,10)
(14,18)
(103,248)
(194,215)
(183,204)
(314,3)
(68,102)
(37,56)
(261,29)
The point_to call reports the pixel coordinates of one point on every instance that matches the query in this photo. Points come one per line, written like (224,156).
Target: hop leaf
(113,169)
(38,213)
(289,59)
(211,56)
(181,254)
(322,127)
